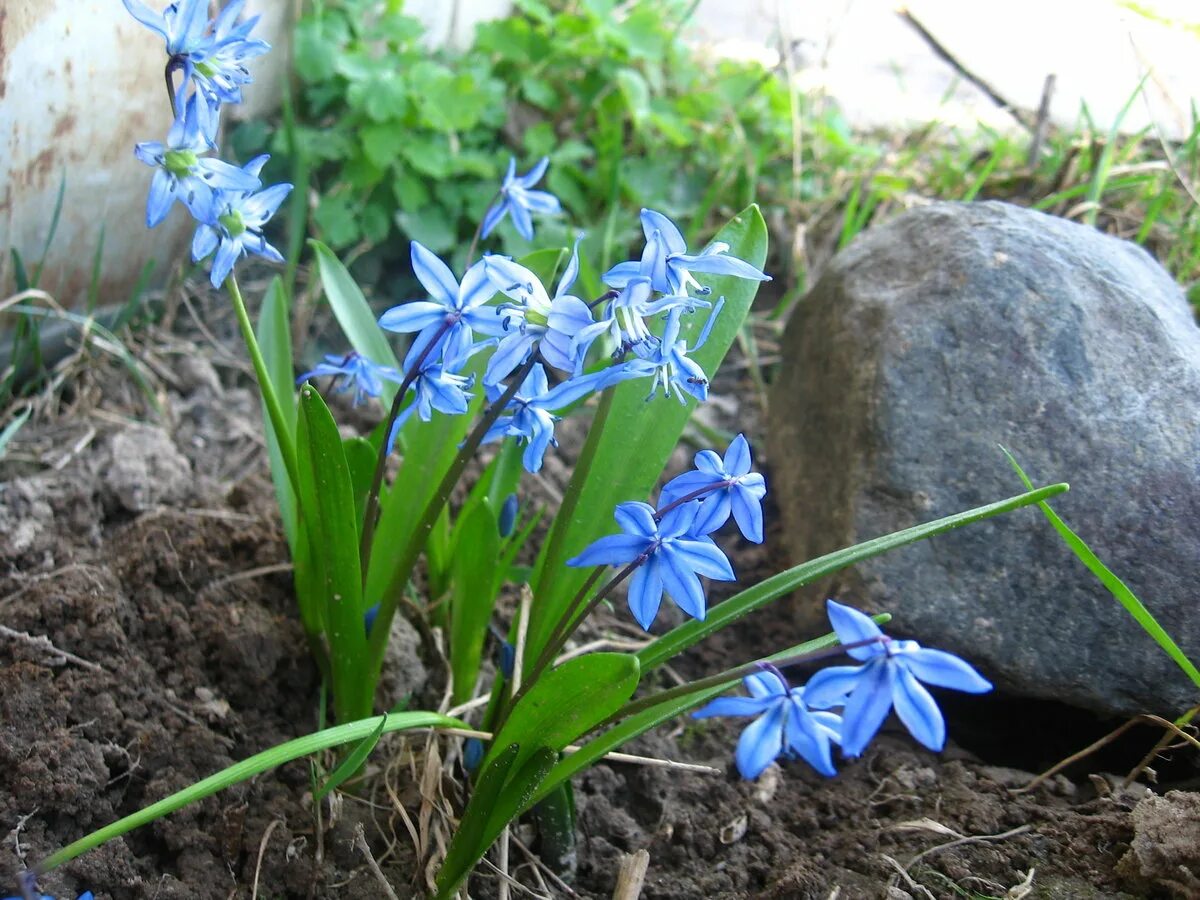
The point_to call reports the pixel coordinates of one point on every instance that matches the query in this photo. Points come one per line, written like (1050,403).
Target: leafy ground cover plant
(646,343)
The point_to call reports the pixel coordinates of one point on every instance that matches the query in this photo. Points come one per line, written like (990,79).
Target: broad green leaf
(361,457)
(607,473)
(474,578)
(636,93)
(328,493)
(352,762)
(680,638)
(568,701)
(354,315)
(1115,585)
(275,341)
(247,769)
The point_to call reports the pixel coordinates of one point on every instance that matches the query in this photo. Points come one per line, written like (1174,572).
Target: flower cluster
(668,549)
(228,202)
(795,722)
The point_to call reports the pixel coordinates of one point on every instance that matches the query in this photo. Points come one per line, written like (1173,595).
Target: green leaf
(431,226)
(474,577)
(354,315)
(607,473)
(247,769)
(1115,585)
(352,762)
(275,341)
(327,496)
(680,638)
(636,93)
(361,456)
(336,217)
(568,701)
(381,143)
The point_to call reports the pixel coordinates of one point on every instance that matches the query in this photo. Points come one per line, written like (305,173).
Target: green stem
(246,769)
(408,557)
(287,444)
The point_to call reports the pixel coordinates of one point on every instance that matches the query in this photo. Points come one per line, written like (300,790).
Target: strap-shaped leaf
(275,341)
(474,575)
(352,762)
(328,493)
(607,473)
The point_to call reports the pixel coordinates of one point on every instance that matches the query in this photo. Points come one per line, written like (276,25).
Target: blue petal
(256,210)
(511,353)
(541,202)
(645,593)
(415,315)
(541,438)
(703,557)
(918,711)
(534,175)
(204,242)
(852,626)
(761,742)
(636,517)
(477,288)
(764,684)
(521,221)
(714,512)
(708,462)
(831,686)
(747,512)
(147,16)
(734,706)
(687,483)
(682,583)
(806,739)
(737,457)
(712,264)
(618,276)
(612,550)
(227,255)
(570,273)
(867,707)
(435,275)
(572,390)
(672,237)
(942,669)
(162,195)
(678,521)
(493,217)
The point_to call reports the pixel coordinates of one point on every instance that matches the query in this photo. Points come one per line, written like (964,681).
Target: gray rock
(144,469)
(952,329)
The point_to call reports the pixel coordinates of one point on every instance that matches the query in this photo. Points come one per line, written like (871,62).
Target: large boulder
(953,329)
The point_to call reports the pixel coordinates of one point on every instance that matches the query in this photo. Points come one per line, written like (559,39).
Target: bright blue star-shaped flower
(625,315)
(354,371)
(668,555)
(669,266)
(231,223)
(450,319)
(435,388)
(784,727)
(181,173)
(536,317)
(183,25)
(517,199)
(530,419)
(666,361)
(891,676)
(732,488)
(218,69)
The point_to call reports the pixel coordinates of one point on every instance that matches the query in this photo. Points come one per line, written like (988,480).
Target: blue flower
(732,488)
(669,266)
(86,895)
(506,521)
(784,726)
(218,68)
(530,419)
(517,198)
(231,223)
(625,317)
(536,317)
(182,174)
(435,388)
(355,371)
(451,318)
(668,557)
(892,675)
(666,360)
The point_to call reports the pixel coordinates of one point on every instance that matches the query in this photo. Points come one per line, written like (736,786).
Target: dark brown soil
(150,640)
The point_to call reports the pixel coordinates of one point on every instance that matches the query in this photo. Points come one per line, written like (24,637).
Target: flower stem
(371,508)
(416,541)
(283,434)
(688,498)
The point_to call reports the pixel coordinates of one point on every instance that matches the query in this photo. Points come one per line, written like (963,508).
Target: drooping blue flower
(667,263)
(529,418)
(182,173)
(450,319)
(891,676)
(666,360)
(435,388)
(231,223)
(784,727)
(517,199)
(218,68)
(731,486)
(668,556)
(536,317)
(625,315)
(354,371)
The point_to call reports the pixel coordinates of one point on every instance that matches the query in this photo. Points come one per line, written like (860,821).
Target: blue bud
(472,754)
(369,618)
(508,656)
(508,515)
